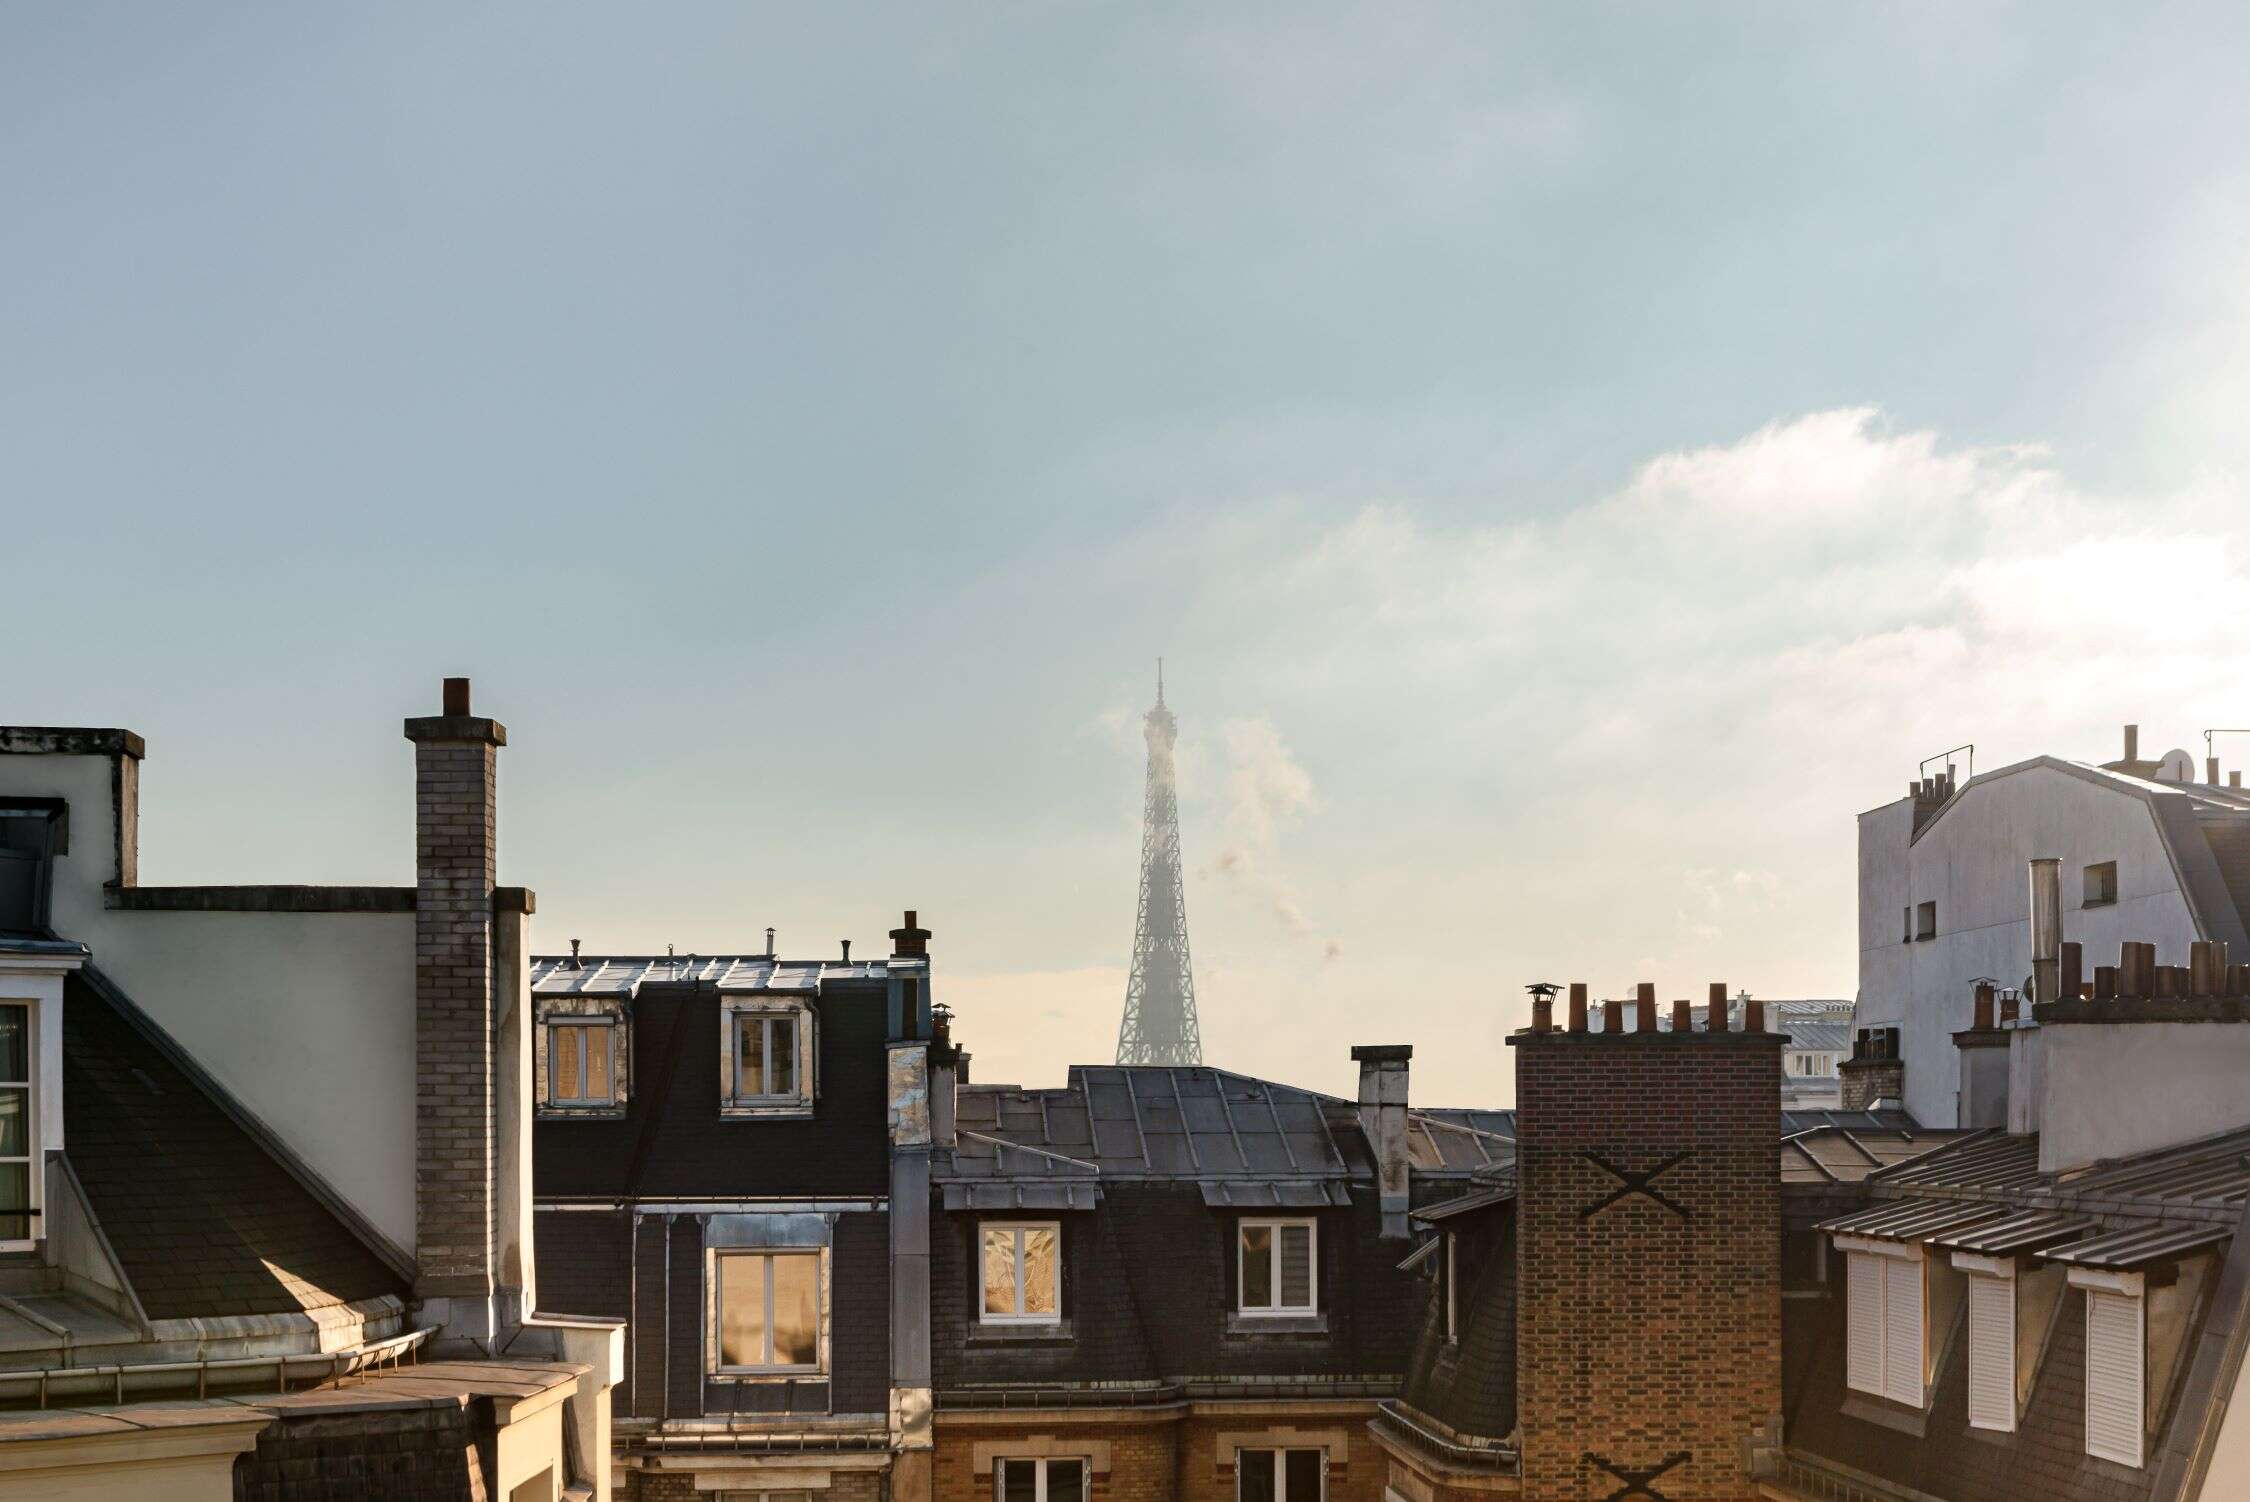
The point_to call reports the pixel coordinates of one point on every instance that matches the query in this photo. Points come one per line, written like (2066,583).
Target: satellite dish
(2177,766)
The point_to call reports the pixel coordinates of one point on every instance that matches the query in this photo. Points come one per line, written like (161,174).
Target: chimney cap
(910,940)
(1382,1053)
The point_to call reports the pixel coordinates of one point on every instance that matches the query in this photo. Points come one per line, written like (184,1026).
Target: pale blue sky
(1573,457)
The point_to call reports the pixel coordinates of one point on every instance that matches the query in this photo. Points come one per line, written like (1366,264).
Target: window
(769,1060)
(1906,925)
(1883,1334)
(578,1064)
(1023,1273)
(767,1311)
(1279,1475)
(1276,1273)
(1992,1353)
(1040,1480)
(16,1124)
(2114,1375)
(1925,921)
(2101,884)
(26,842)
(1452,1291)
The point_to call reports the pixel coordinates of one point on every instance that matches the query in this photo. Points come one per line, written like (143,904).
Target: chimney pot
(1578,1006)
(1613,1016)
(847,951)
(457,698)
(2105,983)
(2132,743)
(1644,1008)
(575,962)
(2202,981)
(2010,1006)
(2211,770)
(2234,779)
(2072,984)
(2167,982)
(1982,1021)
(1542,1014)
(1715,1013)
(1683,1016)
(1753,1016)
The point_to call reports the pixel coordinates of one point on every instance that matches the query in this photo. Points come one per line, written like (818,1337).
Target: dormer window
(579,1055)
(769,1058)
(1022,1272)
(1276,1267)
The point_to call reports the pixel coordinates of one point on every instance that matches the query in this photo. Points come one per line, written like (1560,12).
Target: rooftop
(624,975)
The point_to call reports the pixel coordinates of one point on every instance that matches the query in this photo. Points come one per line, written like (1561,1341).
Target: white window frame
(1281,1454)
(1991,1297)
(1277,1309)
(1887,1320)
(1017,1228)
(714,1310)
(557,1028)
(802,1028)
(1039,1464)
(33,1160)
(2113,1298)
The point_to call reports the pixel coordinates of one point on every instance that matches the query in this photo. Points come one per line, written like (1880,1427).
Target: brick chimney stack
(454,1132)
(1648,1277)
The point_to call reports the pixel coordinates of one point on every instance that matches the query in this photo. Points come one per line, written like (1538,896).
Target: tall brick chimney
(1648,1278)
(455,1190)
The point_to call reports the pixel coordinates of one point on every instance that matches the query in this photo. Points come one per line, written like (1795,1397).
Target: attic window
(1022,1272)
(2101,884)
(1884,1327)
(768,1058)
(579,1056)
(1276,1266)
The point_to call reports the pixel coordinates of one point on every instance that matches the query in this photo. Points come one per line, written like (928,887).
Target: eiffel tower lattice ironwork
(1159,1026)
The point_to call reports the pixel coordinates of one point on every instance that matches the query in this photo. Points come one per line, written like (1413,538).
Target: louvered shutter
(1863,1281)
(1296,1267)
(1992,1352)
(1902,1330)
(2113,1376)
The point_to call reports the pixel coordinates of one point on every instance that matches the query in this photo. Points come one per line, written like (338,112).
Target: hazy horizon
(1571,462)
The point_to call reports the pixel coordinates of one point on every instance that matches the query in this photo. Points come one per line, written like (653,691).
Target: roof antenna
(1159,683)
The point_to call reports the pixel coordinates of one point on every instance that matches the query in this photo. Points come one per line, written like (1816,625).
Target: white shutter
(1863,1344)
(2113,1376)
(1902,1330)
(1992,1352)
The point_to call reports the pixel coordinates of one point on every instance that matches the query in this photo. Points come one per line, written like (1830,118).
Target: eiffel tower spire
(1159,1026)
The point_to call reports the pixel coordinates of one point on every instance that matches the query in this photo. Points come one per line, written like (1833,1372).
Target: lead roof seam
(1279,1130)
(1133,1099)
(1226,1110)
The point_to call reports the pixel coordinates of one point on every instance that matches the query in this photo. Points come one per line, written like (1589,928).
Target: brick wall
(436,1454)
(1645,1337)
(454,849)
(1862,1082)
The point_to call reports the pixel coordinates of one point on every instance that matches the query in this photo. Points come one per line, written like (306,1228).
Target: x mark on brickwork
(1630,1183)
(1637,1482)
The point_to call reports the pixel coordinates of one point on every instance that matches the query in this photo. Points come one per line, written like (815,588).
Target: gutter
(46,1387)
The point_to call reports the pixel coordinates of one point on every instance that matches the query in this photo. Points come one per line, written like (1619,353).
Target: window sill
(796,1110)
(614,1112)
(2098,902)
(1029,1333)
(1239,1323)
(1884,1412)
(786,1374)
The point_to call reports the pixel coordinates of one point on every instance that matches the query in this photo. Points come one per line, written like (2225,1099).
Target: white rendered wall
(2114,1089)
(306,1018)
(1973,863)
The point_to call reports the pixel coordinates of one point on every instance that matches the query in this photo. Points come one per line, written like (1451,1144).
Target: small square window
(578,1064)
(1022,1272)
(767,1312)
(1925,921)
(768,1062)
(1277,1263)
(2101,884)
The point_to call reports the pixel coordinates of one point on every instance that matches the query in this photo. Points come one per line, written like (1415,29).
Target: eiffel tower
(1159,1025)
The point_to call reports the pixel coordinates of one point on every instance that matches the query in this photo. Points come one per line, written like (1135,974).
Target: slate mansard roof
(203,1219)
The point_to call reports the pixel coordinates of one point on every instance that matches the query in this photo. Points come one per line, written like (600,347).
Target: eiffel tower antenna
(1159,1026)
